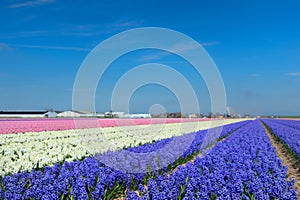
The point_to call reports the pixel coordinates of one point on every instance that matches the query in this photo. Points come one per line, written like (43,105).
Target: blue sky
(255,45)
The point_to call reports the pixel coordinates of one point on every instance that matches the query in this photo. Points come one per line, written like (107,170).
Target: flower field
(21,152)
(38,125)
(292,123)
(235,162)
(288,132)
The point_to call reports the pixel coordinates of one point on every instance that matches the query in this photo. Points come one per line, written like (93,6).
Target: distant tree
(211,115)
(217,114)
(179,115)
(199,115)
(246,116)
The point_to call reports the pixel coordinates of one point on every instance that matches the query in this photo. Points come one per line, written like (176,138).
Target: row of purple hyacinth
(163,153)
(291,123)
(91,179)
(244,166)
(287,133)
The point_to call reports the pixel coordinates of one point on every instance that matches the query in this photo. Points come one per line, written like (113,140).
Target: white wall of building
(68,114)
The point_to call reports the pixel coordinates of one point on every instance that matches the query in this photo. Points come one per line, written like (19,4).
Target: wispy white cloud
(184,47)
(207,44)
(154,56)
(78,30)
(33,3)
(87,30)
(254,75)
(121,24)
(24,34)
(4,46)
(52,47)
(293,74)
(176,48)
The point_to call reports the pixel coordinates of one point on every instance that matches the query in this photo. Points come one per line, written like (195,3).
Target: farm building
(140,116)
(50,114)
(114,114)
(127,116)
(69,113)
(22,114)
(73,113)
(100,115)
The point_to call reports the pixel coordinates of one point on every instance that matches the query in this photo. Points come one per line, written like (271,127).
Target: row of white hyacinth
(20,152)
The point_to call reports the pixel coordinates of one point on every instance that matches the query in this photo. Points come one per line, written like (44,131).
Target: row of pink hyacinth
(39,125)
